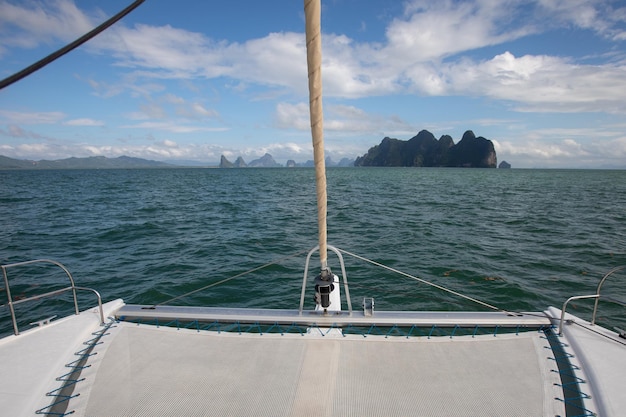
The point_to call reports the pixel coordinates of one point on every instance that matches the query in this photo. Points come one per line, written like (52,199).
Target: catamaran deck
(146,371)
(165,371)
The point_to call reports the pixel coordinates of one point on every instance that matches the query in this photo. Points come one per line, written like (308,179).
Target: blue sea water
(517,239)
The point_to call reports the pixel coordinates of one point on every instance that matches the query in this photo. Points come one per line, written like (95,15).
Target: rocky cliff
(424,150)
(239,163)
(266,161)
(225,163)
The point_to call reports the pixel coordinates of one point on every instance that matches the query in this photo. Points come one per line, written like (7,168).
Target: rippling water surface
(516,239)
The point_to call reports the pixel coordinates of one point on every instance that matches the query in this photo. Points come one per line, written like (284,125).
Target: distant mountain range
(92,162)
(126,162)
(423,150)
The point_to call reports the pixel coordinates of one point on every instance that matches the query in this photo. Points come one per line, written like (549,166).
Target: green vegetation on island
(424,150)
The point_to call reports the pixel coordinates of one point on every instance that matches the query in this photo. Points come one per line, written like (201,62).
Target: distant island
(267,161)
(424,150)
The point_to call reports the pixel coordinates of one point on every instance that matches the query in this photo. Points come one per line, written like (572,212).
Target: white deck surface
(602,360)
(30,362)
(148,371)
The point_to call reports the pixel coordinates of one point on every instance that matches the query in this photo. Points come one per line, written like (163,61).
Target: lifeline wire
(231,278)
(423,281)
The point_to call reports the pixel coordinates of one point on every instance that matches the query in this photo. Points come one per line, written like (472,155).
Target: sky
(544,80)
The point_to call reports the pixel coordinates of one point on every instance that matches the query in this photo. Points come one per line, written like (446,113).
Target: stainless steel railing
(343,272)
(11,302)
(596,296)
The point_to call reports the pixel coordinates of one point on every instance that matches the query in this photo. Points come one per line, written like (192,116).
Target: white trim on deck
(33,360)
(379,318)
(601,356)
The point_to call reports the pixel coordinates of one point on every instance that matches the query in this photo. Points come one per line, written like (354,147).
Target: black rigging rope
(53,56)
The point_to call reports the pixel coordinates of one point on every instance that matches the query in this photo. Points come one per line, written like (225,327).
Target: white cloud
(431,30)
(173,126)
(278,59)
(171,98)
(196,111)
(160,150)
(434,49)
(586,14)
(35,148)
(41,23)
(170,51)
(153,111)
(560,147)
(284,150)
(294,116)
(84,122)
(542,83)
(15,132)
(31,117)
(418,55)
(341,119)
(167,110)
